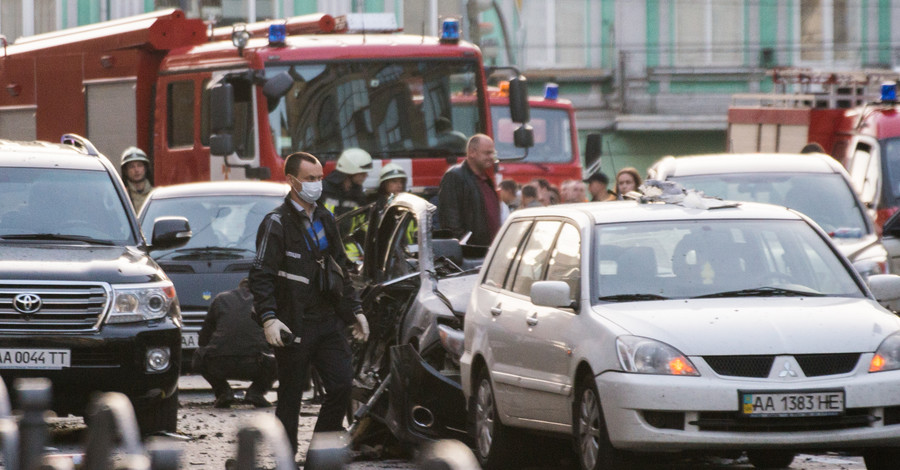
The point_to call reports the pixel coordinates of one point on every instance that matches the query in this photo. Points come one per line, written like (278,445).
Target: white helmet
(134,154)
(353,161)
(391,171)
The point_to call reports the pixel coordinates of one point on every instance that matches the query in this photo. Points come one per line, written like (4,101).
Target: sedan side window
(565,262)
(506,251)
(533,263)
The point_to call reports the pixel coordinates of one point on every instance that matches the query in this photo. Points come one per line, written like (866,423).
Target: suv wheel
(592,445)
(494,443)
(158,416)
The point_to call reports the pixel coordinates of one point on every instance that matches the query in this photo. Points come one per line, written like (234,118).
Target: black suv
(81,301)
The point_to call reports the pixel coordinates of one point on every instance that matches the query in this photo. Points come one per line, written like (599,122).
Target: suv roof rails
(80,143)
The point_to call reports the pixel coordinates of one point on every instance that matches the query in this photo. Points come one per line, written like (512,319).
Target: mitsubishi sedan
(690,325)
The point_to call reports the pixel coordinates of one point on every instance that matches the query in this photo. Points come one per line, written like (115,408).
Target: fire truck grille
(55,307)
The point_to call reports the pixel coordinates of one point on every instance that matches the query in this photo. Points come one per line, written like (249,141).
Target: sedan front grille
(64,306)
(813,365)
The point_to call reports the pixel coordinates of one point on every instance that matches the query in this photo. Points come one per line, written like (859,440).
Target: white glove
(273,328)
(361,328)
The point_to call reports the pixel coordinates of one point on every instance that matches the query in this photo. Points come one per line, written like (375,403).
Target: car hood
(850,247)
(458,290)
(59,262)
(792,325)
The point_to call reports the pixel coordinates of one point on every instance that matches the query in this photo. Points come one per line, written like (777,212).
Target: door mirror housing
(886,289)
(555,294)
(519,110)
(221,119)
(170,232)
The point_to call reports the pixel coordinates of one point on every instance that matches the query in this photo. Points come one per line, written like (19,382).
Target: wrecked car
(415,283)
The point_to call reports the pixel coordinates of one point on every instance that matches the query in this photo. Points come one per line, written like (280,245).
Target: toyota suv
(81,301)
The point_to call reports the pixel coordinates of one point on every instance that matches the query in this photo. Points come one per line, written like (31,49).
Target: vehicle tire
(881,459)
(495,444)
(592,446)
(770,458)
(158,416)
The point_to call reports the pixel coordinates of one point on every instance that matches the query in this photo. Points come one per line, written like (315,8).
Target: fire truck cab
(852,115)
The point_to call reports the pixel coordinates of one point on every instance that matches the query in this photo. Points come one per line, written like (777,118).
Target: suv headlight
(887,356)
(648,356)
(132,303)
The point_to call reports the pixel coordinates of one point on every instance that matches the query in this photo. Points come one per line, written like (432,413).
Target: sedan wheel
(591,436)
(495,444)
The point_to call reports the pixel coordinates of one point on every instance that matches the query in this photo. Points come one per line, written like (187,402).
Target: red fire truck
(852,115)
(555,155)
(250,93)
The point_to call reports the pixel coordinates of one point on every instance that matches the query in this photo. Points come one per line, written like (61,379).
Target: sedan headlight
(873,260)
(132,303)
(647,356)
(887,356)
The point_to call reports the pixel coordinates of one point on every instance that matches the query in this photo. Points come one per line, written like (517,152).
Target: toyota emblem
(27,303)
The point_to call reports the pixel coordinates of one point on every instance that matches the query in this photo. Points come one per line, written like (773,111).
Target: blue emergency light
(551,91)
(450,30)
(277,34)
(889,91)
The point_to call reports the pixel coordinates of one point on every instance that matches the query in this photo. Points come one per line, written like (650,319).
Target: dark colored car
(81,301)
(224,217)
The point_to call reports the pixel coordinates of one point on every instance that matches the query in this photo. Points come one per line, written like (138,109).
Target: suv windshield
(824,197)
(552,135)
(62,204)
(228,223)
(727,258)
(391,109)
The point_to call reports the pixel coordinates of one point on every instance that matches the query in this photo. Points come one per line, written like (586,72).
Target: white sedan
(699,325)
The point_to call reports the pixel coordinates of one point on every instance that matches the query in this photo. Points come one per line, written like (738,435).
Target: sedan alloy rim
(589,429)
(484,418)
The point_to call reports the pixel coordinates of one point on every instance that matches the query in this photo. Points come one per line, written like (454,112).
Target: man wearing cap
(135,166)
(598,186)
(342,189)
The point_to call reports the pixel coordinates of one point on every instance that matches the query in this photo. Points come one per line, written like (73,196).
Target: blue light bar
(277,34)
(889,91)
(450,30)
(551,91)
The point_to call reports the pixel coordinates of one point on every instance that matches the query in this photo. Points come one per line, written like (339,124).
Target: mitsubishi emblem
(27,303)
(787,372)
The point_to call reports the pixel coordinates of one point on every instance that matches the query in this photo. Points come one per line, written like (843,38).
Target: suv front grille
(193,319)
(65,306)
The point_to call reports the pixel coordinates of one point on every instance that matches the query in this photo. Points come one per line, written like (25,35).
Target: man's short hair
(509,185)
(542,182)
(474,141)
(292,162)
(599,177)
(529,190)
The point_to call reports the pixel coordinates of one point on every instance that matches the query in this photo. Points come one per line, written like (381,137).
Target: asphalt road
(207,439)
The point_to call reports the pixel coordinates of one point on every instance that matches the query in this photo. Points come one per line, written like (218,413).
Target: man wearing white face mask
(302,321)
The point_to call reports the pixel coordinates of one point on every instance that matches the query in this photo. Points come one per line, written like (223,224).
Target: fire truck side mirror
(221,119)
(592,149)
(523,137)
(278,86)
(518,100)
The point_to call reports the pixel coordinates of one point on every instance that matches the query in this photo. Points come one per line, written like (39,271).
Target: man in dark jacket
(467,200)
(233,347)
(300,316)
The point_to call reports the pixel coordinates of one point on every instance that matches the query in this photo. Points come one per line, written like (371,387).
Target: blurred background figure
(627,179)
(572,191)
(508,198)
(543,187)
(233,346)
(530,196)
(598,187)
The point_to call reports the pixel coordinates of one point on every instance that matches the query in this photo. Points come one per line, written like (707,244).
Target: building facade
(654,76)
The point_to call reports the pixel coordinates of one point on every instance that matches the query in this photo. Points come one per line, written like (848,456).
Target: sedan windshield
(715,258)
(391,109)
(62,205)
(222,226)
(824,197)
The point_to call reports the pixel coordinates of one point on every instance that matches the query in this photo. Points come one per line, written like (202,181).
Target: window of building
(556,34)
(708,32)
(829,31)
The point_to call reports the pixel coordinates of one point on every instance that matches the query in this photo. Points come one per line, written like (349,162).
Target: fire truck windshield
(408,109)
(552,135)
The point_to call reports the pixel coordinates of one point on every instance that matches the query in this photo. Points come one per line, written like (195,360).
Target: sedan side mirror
(886,289)
(170,232)
(555,294)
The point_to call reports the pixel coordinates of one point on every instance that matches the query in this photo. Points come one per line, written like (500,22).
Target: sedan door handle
(532,320)
(496,311)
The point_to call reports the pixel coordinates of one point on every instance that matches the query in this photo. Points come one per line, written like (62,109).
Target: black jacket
(461,205)
(336,199)
(284,278)
(228,329)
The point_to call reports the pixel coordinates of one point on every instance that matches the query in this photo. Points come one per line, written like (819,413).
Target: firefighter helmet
(391,171)
(353,161)
(134,154)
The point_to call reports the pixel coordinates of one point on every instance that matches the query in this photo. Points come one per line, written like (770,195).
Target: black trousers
(325,346)
(218,370)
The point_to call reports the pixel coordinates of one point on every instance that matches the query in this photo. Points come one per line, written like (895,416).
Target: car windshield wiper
(762,292)
(57,236)
(631,297)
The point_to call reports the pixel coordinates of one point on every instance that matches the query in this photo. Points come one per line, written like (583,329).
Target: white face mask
(310,192)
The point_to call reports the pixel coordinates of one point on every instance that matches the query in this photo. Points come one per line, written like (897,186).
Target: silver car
(703,326)
(814,184)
